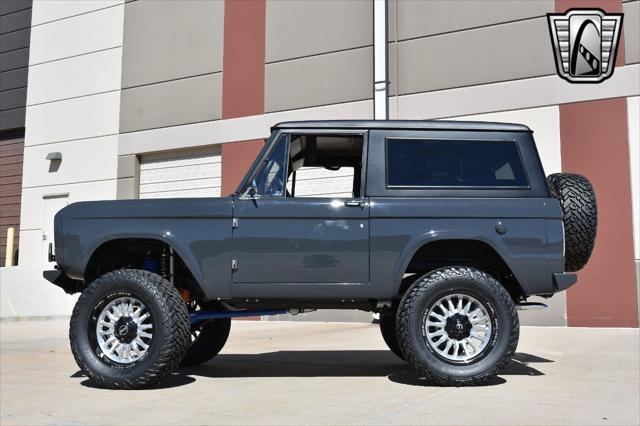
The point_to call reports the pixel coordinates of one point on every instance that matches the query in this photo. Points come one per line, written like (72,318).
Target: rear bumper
(563,281)
(61,279)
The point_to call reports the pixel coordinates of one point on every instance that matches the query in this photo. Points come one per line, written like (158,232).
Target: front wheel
(129,329)
(457,326)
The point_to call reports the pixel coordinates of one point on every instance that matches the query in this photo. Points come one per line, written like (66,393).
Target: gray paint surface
(165,40)
(299,28)
(316,249)
(188,100)
(418,18)
(484,55)
(319,80)
(631,29)
(15,34)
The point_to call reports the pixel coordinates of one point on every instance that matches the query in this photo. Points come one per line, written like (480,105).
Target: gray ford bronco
(444,228)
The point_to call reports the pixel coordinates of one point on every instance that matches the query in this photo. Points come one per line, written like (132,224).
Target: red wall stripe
(594,142)
(242,81)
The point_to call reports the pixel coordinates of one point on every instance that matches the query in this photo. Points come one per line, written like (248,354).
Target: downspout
(380,61)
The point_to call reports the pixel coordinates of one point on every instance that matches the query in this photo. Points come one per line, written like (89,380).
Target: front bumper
(61,279)
(563,281)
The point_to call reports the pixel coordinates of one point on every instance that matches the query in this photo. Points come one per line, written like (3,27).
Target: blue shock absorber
(151,265)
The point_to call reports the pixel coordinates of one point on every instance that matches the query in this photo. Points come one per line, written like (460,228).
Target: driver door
(286,246)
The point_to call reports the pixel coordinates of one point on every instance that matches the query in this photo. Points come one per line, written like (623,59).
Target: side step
(530,306)
(200,316)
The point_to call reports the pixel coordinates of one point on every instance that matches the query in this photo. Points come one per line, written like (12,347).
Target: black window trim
(455,187)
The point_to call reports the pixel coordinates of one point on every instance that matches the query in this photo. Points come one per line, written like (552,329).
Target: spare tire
(579,214)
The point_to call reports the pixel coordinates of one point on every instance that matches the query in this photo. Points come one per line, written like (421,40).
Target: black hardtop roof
(403,125)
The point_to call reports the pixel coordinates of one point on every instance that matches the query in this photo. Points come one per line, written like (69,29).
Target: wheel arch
(128,247)
(432,252)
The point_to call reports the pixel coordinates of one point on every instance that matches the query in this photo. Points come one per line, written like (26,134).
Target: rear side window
(453,163)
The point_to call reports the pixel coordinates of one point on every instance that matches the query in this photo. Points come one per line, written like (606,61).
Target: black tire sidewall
(212,338)
(388,331)
(495,352)
(80,332)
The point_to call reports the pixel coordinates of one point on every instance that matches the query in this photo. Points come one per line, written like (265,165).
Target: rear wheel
(457,326)
(207,338)
(388,330)
(129,329)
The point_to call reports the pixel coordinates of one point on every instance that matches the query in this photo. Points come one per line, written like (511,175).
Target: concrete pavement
(326,373)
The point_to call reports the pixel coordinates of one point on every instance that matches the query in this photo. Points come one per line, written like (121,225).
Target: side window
(325,166)
(271,178)
(453,163)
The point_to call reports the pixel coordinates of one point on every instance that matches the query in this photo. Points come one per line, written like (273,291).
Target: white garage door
(179,174)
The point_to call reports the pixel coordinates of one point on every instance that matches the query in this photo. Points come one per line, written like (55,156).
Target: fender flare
(419,241)
(189,261)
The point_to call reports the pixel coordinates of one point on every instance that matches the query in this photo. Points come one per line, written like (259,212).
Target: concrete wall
(73,108)
(317,53)
(19,284)
(171,63)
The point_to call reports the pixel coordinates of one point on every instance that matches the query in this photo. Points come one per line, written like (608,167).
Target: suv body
(442,227)
(242,246)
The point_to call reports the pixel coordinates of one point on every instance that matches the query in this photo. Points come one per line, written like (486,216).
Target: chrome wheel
(458,328)
(124,330)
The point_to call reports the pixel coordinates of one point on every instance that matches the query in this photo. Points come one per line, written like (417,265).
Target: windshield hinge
(235,222)
(234,265)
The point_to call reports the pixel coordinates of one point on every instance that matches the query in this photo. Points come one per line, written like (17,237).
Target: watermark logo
(585,42)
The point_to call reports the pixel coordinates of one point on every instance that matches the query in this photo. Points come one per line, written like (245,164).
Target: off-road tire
(579,214)
(213,335)
(170,329)
(462,280)
(388,330)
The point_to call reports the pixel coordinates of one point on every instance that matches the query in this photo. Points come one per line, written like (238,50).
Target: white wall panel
(82,160)
(32,201)
(77,35)
(78,118)
(52,10)
(78,76)
(545,123)
(633,112)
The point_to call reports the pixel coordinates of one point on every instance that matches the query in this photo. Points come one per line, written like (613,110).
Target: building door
(52,205)
(180,174)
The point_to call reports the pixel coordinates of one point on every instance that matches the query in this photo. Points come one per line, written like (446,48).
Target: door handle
(354,203)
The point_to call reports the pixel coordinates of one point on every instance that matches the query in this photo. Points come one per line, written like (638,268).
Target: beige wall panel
(631,26)
(505,52)
(419,18)
(165,40)
(173,103)
(319,80)
(303,28)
